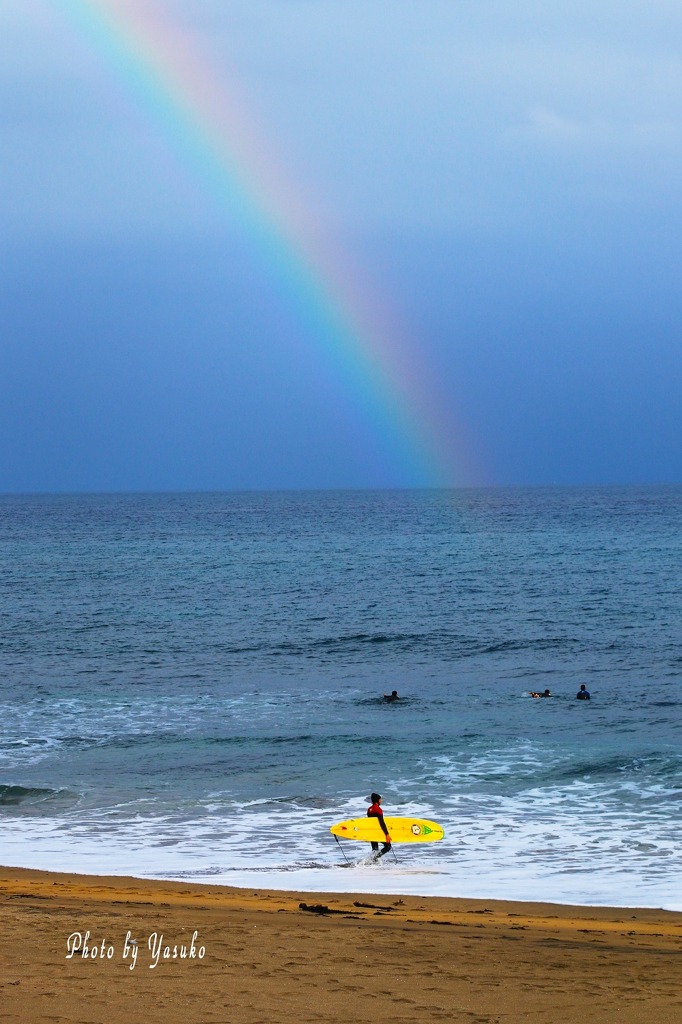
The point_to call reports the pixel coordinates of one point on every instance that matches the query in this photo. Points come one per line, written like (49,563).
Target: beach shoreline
(207,952)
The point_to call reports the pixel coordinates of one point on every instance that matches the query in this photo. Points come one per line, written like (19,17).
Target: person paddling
(375,811)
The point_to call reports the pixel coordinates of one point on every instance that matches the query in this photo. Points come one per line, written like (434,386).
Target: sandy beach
(212,953)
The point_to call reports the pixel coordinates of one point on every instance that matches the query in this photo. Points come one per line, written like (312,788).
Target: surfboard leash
(342,849)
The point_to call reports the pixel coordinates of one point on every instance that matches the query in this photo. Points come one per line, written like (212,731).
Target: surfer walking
(375,811)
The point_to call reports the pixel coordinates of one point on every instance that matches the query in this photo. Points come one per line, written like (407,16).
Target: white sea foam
(491,858)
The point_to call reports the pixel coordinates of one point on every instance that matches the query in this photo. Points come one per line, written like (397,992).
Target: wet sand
(264,957)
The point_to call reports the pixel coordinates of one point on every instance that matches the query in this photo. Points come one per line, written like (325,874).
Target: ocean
(191,688)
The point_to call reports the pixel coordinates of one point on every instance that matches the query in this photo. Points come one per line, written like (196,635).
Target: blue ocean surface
(191,687)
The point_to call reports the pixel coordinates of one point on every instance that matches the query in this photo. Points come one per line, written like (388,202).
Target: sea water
(191,688)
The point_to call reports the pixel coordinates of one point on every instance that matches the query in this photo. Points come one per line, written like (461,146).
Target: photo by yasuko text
(155,949)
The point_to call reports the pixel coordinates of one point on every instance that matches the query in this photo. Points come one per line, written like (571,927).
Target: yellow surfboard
(401,830)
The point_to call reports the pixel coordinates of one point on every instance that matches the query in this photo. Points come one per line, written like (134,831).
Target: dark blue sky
(506,182)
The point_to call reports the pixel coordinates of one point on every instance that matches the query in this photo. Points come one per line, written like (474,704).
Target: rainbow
(208,125)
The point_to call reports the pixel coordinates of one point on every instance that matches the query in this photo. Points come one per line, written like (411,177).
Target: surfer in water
(583,693)
(390,697)
(534,693)
(375,811)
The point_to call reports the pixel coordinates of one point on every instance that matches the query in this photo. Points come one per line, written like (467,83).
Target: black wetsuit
(375,811)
